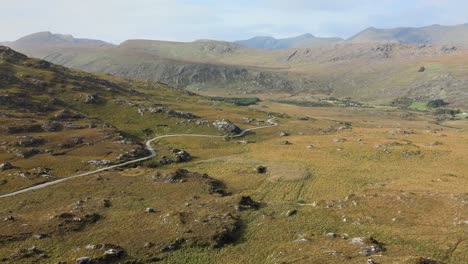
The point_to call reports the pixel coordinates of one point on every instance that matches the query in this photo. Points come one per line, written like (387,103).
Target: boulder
(91,98)
(291,212)
(5,166)
(422,69)
(66,114)
(51,126)
(247,203)
(30,141)
(182,156)
(283,134)
(149,210)
(227,126)
(83,260)
(261,169)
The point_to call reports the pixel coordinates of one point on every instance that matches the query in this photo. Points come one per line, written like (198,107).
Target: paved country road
(152,155)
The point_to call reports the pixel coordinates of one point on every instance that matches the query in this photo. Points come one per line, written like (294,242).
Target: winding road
(152,155)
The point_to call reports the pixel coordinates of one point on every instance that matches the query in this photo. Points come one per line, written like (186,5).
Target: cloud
(186,20)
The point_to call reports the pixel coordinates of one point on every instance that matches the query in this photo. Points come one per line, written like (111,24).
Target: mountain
(39,44)
(434,34)
(270,43)
(386,72)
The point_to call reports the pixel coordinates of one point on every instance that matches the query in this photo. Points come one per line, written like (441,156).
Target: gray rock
(357,241)
(283,134)
(261,169)
(83,260)
(149,210)
(5,166)
(182,156)
(226,126)
(91,98)
(291,212)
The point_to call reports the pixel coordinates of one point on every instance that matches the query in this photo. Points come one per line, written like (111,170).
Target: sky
(187,20)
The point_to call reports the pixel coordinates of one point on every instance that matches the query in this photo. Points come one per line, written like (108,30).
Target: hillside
(302,41)
(434,34)
(388,71)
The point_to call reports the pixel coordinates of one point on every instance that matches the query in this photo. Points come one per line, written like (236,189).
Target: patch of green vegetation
(421,106)
(237,100)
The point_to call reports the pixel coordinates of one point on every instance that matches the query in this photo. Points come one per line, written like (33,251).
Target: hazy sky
(186,20)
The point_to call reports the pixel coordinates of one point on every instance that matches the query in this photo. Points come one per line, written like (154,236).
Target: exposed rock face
(227,126)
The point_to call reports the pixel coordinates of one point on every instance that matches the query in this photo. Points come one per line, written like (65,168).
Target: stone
(261,169)
(5,166)
(422,69)
(283,134)
(115,253)
(182,156)
(149,210)
(40,236)
(357,241)
(370,261)
(339,140)
(247,203)
(83,260)
(227,126)
(91,98)
(310,147)
(285,142)
(330,235)
(291,212)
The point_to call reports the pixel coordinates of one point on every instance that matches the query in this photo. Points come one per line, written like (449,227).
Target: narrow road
(152,155)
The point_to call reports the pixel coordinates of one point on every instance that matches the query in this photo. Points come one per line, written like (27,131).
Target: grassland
(395,175)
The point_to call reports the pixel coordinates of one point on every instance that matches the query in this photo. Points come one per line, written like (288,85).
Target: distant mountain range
(302,41)
(434,34)
(376,65)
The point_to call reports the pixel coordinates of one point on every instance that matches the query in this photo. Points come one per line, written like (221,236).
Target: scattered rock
(370,261)
(40,236)
(330,235)
(52,126)
(30,141)
(5,166)
(310,147)
(357,241)
(283,134)
(174,246)
(91,98)
(285,142)
(261,169)
(149,210)
(83,260)
(424,260)
(99,162)
(422,69)
(339,140)
(182,156)
(291,212)
(247,203)
(171,112)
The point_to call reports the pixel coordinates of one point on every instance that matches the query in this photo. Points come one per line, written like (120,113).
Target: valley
(345,182)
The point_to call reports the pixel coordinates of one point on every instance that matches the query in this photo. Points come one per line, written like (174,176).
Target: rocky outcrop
(227,126)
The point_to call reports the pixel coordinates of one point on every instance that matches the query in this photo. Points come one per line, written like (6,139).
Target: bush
(436,103)
(238,101)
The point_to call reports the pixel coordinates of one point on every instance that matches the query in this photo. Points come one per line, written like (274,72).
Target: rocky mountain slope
(386,72)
